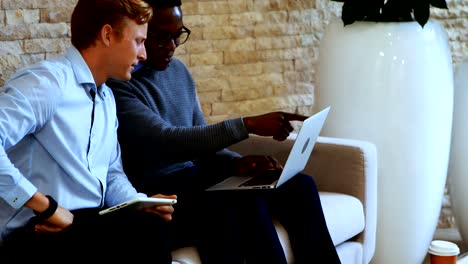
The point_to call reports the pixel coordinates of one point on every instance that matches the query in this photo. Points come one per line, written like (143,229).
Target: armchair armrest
(338,165)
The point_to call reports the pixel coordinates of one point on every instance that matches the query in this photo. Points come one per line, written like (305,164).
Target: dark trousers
(296,205)
(229,226)
(140,237)
(209,221)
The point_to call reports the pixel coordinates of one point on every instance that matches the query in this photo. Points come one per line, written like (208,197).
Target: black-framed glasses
(163,39)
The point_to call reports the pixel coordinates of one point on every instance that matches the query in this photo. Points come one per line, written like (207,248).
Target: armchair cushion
(338,209)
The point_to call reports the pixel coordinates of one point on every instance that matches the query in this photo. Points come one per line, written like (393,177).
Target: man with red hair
(60,159)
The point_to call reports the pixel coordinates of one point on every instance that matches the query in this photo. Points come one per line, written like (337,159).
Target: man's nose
(142,55)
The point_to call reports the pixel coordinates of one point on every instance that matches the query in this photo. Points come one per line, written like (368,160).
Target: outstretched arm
(174,127)
(275,124)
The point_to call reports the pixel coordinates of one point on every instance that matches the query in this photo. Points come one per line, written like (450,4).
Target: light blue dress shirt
(45,130)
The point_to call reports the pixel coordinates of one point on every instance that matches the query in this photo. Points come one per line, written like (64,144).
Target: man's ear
(105,34)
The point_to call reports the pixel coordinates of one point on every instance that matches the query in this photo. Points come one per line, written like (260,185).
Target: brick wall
(247,56)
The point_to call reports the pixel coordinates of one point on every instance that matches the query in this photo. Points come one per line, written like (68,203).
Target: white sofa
(346,174)
(345,171)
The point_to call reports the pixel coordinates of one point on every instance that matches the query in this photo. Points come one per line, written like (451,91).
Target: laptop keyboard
(266,178)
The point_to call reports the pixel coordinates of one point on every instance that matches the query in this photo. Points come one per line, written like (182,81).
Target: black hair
(164,3)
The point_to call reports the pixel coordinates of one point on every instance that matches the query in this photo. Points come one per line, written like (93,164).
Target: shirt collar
(81,69)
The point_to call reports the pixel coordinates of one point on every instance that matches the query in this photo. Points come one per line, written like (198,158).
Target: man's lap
(90,235)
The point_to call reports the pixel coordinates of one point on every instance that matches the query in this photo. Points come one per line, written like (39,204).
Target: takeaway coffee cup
(443,252)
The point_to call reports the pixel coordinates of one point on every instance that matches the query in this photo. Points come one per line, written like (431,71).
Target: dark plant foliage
(389,10)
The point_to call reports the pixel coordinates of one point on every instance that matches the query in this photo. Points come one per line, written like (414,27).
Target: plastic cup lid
(443,248)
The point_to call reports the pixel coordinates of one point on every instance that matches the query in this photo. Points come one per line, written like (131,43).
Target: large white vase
(458,166)
(392,84)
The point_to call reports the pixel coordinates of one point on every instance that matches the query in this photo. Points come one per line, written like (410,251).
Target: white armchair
(345,171)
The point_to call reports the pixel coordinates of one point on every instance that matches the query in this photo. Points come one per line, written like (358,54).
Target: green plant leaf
(348,13)
(397,11)
(438,3)
(421,11)
(372,9)
(388,10)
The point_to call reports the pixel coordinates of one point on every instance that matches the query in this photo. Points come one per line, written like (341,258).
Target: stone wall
(247,56)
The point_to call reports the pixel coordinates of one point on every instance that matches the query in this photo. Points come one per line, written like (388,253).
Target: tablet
(139,203)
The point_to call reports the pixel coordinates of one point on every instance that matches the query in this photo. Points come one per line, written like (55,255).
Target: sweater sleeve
(199,121)
(143,127)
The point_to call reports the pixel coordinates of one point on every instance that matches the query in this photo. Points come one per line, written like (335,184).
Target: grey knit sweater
(161,125)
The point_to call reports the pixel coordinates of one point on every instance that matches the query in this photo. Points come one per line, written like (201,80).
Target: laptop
(296,162)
